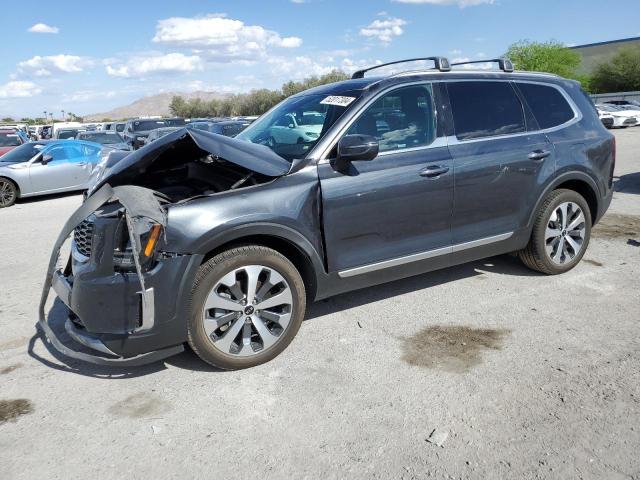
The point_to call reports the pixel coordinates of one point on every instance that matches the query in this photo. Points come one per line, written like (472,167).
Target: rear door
(500,159)
(397,205)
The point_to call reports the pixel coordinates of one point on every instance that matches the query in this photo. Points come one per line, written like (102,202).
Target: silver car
(40,168)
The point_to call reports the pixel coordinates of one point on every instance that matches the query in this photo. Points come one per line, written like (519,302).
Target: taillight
(613,161)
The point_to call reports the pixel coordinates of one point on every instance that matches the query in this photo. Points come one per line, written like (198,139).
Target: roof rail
(441,63)
(503,63)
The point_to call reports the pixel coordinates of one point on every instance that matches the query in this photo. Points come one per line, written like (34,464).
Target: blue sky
(88,57)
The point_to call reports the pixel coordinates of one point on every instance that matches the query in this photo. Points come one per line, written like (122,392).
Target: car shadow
(188,360)
(629,183)
(501,265)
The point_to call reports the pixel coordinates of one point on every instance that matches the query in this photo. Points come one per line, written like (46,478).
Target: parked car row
(619,116)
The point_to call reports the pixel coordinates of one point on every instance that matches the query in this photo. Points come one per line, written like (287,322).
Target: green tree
(551,57)
(7,120)
(255,102)
(620,74)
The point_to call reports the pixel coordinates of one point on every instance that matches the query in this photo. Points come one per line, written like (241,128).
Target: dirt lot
(482,371)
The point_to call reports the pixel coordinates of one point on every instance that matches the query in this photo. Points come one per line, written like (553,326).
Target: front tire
(247,304)
(8,192)
(561,233)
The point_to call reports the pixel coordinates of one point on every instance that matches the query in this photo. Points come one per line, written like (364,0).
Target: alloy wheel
(7,193)
(247,310)
(565,233)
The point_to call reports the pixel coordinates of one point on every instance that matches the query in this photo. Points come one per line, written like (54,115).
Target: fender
(563,177)
(238,232)
(3,174)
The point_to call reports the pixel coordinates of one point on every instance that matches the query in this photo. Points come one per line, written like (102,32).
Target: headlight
(312,134)
(123,259)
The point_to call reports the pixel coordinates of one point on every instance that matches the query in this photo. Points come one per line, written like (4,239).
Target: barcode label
(337,100)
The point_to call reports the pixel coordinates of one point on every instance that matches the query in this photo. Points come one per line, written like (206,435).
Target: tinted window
(485,109)
(547,104)
(403,118)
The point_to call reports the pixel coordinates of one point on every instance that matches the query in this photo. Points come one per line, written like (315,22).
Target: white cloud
(460,3)
(43,28)
(155,64)
(46,66)
(19,89)
(220,38)
(384,30)
(88,95)
(455,51)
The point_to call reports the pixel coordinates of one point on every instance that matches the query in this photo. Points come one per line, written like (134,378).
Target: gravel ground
(486,370)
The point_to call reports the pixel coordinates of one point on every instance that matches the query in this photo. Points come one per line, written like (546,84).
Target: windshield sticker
(337,100)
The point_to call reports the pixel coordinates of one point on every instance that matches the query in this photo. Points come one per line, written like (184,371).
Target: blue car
(40,168)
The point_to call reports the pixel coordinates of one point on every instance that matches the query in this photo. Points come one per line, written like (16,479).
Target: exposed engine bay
(190,163)
(204,176)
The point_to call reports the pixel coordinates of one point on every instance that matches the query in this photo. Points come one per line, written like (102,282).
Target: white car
(621,118)
(291,129)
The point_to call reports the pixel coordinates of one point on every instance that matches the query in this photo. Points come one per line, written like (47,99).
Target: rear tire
(561,233)
(8,192)
(247,304)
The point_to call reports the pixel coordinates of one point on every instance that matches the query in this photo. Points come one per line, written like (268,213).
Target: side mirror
(46,158)
(291,125)
(353,148)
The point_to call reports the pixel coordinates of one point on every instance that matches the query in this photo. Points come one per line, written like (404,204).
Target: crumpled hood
(187,144)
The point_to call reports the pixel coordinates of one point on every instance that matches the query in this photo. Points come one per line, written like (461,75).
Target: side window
(73,152)
(547,104)
(485,109)
(285,121)
(403,118)
(57,153)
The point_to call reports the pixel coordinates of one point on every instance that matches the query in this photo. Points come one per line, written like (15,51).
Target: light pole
(63,118)
(45,116)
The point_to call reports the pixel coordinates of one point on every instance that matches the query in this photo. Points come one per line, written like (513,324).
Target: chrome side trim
(480,242)
(394,262)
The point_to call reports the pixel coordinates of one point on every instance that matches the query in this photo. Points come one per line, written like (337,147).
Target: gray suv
(221,242)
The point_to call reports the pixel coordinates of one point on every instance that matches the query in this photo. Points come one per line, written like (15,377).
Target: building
(595,53)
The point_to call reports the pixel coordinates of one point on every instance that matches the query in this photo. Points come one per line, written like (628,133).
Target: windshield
(294,126)
(64,134)
(175,122)
(141,125)
(23,153)
(120,127)
(9,140)
(101,138)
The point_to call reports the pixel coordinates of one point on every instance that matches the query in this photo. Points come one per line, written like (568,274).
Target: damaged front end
(125,293)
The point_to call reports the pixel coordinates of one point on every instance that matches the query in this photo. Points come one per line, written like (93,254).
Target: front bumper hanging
(62,288)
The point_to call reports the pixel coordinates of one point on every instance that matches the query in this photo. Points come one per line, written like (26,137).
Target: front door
(398,204)
(65,170)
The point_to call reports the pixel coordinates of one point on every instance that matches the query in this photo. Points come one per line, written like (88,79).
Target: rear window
(9,139)
(485,109)
(547,104)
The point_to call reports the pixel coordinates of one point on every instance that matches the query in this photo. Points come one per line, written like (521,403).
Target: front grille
(83,236)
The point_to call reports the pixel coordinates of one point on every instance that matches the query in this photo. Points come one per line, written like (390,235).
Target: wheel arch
(580,183)
(293,245)
(15,182)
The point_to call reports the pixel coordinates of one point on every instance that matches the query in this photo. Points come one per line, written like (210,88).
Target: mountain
(152,105)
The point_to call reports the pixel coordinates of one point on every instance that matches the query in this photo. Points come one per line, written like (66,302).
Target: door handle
(433,171)
(82,164)
(539,154)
